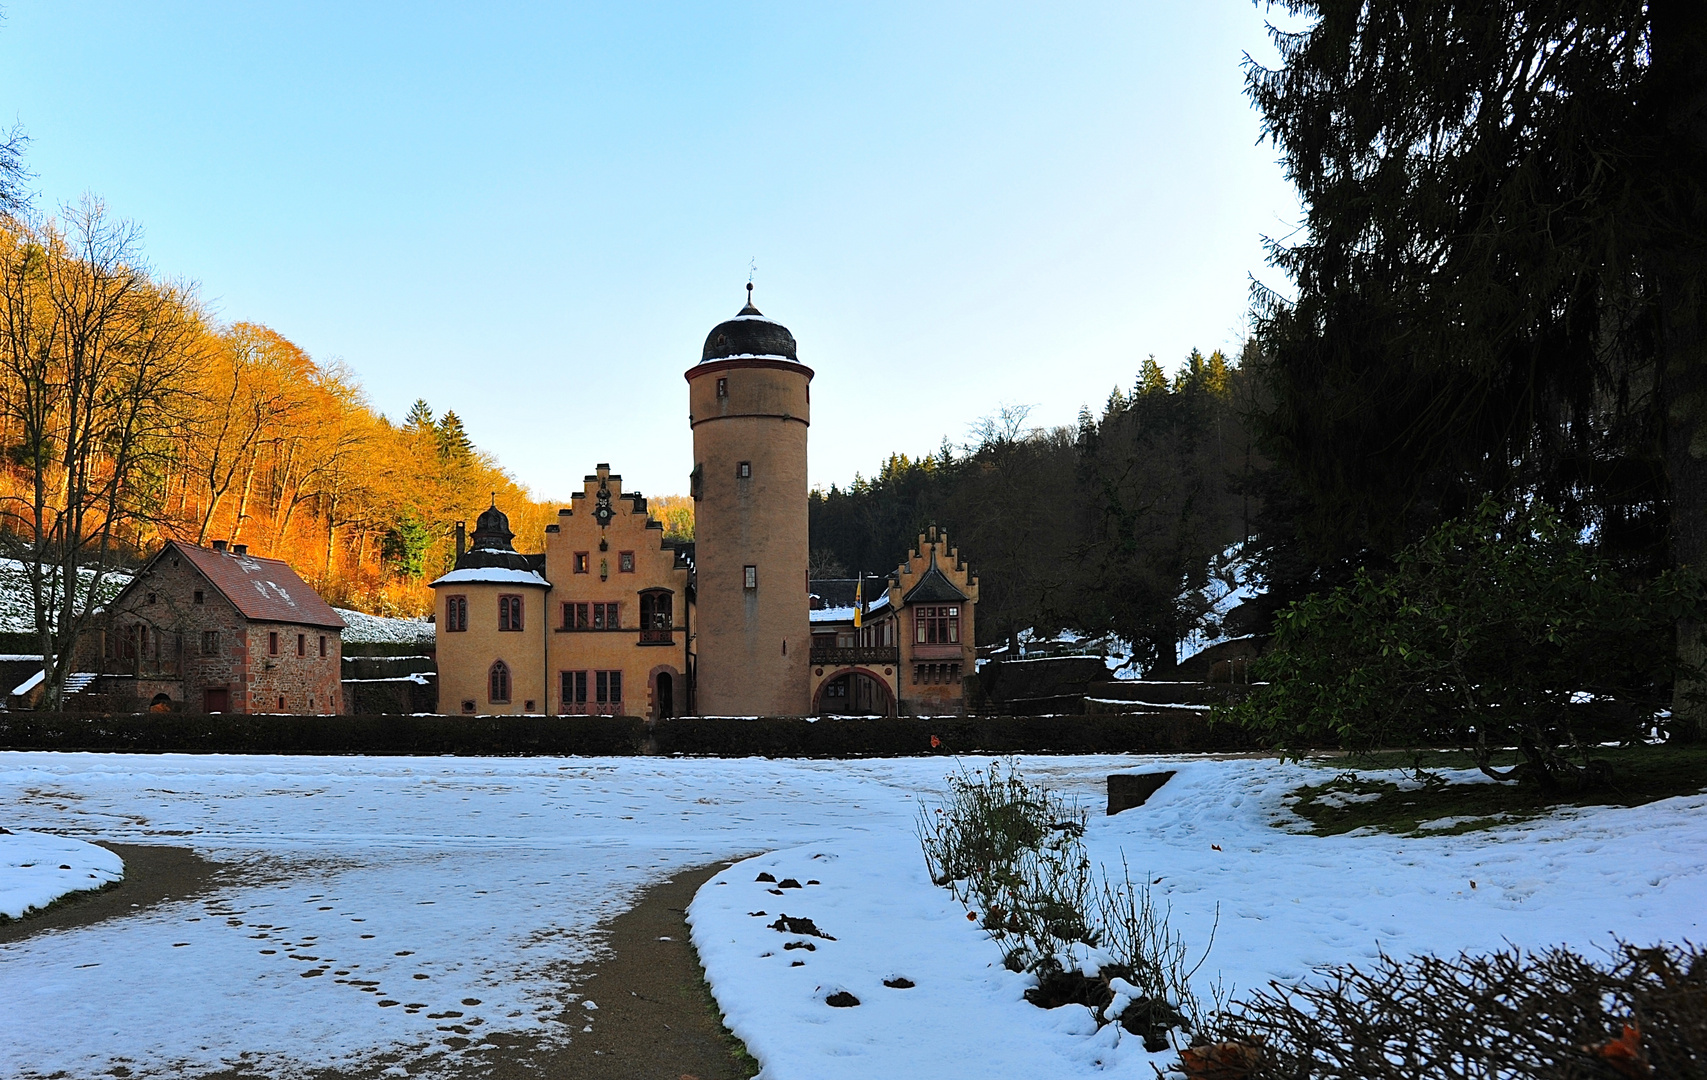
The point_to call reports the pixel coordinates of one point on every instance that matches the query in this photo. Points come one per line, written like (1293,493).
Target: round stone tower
(749,404)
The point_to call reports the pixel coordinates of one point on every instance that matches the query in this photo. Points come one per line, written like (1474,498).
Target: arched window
(498,684)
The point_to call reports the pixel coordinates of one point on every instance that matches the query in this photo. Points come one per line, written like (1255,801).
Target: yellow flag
(859,601)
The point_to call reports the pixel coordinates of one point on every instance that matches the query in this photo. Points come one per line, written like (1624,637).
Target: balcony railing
(862,654)
(657,636)
(142,667)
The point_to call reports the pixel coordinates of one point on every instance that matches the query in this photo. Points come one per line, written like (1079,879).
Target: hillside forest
(129,416)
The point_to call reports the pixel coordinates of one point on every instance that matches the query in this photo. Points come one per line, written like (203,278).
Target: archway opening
(664,696)
(855,693)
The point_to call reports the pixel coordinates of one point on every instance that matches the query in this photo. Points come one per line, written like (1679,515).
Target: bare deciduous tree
(94,358)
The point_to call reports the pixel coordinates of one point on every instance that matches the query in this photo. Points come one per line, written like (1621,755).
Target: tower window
(272,643)
(302,644)
(322,644)
(749,577)
(498,684)
(509,612)
(456,614)
(744,471)
(722,388)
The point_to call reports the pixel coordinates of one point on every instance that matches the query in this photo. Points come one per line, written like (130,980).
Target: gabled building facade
(613,619)
(911,646)
(595,625)
(219,630)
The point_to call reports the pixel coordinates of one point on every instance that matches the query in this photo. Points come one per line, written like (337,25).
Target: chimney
(461,537)
(219,545)
(239,549)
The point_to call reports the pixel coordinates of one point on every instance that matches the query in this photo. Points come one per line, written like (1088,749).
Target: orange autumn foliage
(1220,1061)
(1624,1054)
(248,439)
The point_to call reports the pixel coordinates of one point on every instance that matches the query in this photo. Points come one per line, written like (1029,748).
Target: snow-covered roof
(262,589)
(878,604)
(29,684)
(831,614)
(494,575)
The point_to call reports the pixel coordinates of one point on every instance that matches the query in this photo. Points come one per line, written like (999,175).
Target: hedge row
(618,735)
(271,734)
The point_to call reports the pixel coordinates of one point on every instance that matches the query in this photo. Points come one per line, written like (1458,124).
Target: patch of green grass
(1355,800)
(746,1065)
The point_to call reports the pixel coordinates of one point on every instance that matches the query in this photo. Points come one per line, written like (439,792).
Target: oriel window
(936,625)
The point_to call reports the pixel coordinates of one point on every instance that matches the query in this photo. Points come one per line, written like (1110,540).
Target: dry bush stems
(1553,1015)
(1013,853)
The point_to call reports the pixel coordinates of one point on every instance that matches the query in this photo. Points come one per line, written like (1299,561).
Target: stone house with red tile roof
(220,630)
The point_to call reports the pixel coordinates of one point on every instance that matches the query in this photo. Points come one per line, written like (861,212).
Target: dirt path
(152,875)
(655,1018)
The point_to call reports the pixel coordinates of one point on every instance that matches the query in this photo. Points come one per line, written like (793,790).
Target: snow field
(963,1016)
(1275,901)
(36,869)
(349,878)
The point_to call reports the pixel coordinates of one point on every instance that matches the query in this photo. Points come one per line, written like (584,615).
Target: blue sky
(534,213)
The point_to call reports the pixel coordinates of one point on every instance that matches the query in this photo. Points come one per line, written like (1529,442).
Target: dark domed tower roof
(490,547)
(749,333)
(492,530)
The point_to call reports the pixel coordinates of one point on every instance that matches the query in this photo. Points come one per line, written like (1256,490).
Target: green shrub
(1480,636)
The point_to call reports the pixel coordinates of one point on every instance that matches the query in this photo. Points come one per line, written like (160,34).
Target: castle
(614,619)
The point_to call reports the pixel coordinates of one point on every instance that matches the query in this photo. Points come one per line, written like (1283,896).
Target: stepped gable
(261,589)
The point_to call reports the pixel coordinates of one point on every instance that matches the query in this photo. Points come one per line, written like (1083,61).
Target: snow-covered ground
(37,868)
(17,615)
(365,629)
(432,882)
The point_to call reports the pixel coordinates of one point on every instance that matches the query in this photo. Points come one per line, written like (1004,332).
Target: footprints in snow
(458,1030)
